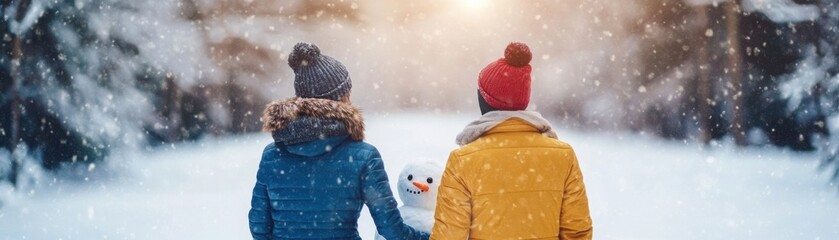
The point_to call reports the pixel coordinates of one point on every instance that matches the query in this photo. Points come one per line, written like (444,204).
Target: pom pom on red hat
(517,54)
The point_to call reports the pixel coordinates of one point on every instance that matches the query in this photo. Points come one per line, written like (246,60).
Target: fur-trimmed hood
(279,114)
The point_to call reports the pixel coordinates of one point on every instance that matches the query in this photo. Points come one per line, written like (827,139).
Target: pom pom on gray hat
(302,55)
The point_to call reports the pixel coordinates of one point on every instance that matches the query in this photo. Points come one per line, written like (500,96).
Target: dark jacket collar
(304,129)
(315,147)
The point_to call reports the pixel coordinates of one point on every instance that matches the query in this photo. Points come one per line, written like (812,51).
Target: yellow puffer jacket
(513,182)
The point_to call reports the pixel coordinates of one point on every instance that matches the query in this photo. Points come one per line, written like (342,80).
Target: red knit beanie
(505,83)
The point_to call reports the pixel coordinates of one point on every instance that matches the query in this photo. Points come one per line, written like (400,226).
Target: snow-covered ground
(639,188)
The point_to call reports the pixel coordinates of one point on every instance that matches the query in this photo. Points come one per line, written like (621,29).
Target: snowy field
(639,188)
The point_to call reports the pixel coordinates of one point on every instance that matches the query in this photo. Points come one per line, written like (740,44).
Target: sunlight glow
(473,4)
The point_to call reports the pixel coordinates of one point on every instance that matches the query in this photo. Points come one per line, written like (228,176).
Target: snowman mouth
(413,192)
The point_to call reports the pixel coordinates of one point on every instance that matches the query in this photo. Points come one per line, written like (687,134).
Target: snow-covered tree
(89,76)
(799,92)
(825,86)
(708,67)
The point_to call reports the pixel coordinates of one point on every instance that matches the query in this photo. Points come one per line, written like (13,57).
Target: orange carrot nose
(421,186)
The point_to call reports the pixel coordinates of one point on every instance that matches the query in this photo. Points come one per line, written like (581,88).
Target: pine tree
(87,77)
(827,88)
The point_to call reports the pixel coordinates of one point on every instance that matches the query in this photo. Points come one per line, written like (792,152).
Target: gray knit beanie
(317,75)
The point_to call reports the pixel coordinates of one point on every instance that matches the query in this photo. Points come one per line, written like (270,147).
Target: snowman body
(418,218)
(417,187)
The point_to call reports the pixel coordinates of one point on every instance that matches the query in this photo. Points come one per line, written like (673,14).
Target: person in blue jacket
(316,175)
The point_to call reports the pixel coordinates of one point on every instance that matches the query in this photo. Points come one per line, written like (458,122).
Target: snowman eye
(429,180)
(410,177)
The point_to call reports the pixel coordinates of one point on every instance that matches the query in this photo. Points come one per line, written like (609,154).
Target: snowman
(417,187)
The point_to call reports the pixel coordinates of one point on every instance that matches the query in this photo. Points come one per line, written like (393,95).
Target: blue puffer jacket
(313,180)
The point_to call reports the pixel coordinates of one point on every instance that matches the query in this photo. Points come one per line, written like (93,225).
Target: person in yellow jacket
(511,178)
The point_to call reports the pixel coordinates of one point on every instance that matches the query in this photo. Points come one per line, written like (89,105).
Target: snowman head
(417,185)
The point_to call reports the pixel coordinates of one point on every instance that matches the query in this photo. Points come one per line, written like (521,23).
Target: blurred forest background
(83,78)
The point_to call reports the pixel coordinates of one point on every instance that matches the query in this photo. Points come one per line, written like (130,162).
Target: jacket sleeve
(382,205)
(259,217)
(453,216)
(575,221)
